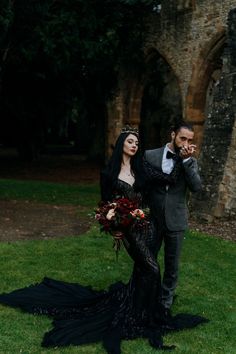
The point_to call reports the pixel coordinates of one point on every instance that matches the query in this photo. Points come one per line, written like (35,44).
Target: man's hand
(187,151)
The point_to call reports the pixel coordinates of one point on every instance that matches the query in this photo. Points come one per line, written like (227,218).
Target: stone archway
(150,99)
(161,101)
(125,106)
(206,73)
(203,71)
(217,156)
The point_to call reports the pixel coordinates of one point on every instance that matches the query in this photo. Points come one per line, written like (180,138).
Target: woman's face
(130,145)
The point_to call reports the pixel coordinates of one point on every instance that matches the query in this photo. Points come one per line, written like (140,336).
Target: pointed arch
(202,74)
(161,100)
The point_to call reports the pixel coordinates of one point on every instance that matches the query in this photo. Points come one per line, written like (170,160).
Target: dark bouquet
(118,216)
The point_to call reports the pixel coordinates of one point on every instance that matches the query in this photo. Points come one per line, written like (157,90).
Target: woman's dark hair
(112,170)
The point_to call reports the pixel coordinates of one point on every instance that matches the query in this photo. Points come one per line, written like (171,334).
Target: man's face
(183,138)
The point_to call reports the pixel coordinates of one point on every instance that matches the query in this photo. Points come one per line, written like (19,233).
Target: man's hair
(182,124)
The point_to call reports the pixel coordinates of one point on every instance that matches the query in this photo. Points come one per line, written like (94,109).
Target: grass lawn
(85,195)
(206,285)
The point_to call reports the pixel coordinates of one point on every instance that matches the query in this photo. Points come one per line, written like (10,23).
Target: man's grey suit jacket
(171,201)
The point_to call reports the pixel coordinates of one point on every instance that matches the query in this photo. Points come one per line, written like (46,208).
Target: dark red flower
(125,213)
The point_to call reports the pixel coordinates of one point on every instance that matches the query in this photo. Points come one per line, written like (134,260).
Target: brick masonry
(218,153)
(197,39)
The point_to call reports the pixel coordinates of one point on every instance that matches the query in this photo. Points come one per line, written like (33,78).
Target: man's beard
(177,148)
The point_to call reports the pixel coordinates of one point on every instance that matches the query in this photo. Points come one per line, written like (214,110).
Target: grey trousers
(172,248)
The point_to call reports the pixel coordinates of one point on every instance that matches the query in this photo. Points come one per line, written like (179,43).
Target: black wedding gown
(126,311)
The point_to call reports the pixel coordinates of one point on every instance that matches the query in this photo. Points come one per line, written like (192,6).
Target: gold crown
(129,129)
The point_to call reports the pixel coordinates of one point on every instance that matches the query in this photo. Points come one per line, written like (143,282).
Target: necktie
(171,155)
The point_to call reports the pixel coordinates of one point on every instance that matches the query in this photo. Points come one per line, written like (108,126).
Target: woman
(126,311)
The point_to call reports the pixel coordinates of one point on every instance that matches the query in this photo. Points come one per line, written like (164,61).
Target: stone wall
(218,155)
(196,40)
(182,37)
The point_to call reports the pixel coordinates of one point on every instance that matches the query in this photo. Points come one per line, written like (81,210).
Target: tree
(58,52)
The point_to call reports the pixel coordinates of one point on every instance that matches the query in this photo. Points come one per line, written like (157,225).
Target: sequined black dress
(126,311)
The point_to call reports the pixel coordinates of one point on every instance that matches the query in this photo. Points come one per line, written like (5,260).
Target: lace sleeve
(153,174)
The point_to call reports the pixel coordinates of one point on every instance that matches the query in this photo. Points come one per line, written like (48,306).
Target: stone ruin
(190,72)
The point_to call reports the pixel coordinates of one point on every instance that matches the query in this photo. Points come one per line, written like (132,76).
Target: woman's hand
(138,213)
(111,214)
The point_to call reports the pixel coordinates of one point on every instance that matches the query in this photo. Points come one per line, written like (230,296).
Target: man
(168,202)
